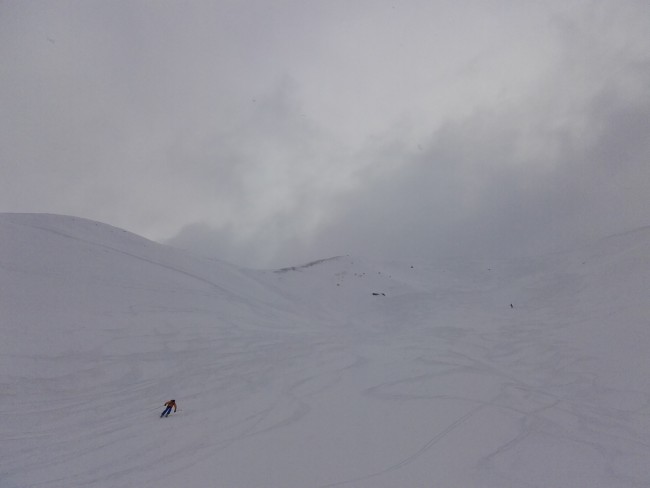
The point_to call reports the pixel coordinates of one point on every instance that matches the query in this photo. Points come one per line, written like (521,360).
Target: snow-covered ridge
(307,265)
(342,372)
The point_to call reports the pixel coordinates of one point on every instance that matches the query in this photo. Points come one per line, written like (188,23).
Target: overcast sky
(273,132)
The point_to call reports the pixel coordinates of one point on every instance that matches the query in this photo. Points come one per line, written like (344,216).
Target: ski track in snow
(305,379)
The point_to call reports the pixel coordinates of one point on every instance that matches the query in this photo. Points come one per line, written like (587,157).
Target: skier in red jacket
(170,404)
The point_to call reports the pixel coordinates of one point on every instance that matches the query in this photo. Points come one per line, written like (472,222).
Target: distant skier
(170,404)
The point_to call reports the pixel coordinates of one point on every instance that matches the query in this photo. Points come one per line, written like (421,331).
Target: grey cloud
(474,192)
(270,133)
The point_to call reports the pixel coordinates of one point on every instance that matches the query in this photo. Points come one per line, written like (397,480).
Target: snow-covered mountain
(343,372)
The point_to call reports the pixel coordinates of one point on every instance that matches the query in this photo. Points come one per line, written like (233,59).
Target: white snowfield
(302,378)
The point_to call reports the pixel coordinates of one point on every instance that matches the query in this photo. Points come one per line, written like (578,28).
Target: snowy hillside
(343,372)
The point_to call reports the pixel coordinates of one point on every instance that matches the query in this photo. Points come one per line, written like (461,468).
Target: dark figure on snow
(170,404)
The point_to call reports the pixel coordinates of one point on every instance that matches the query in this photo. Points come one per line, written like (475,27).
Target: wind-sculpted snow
(342,373)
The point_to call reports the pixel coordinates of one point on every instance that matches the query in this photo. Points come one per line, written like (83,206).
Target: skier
(169,405)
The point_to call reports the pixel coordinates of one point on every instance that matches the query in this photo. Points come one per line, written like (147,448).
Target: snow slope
(344,372)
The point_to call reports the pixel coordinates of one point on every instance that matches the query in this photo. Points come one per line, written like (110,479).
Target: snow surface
(303,378)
